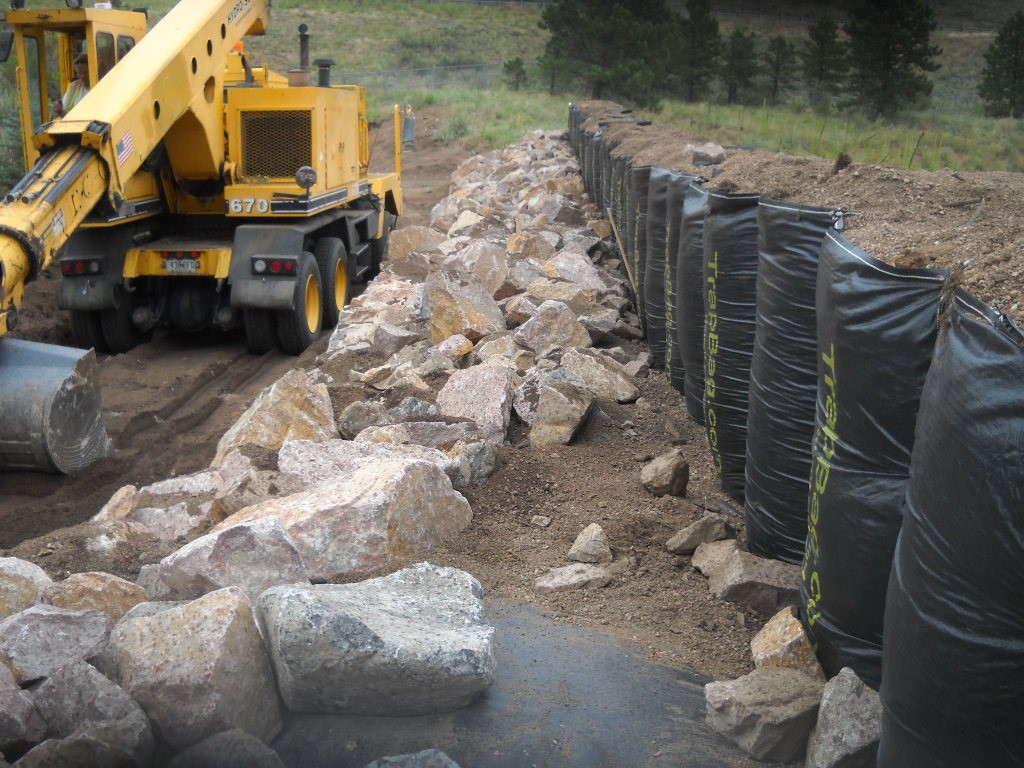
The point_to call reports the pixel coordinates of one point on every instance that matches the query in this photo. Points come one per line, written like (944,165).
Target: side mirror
(6,42)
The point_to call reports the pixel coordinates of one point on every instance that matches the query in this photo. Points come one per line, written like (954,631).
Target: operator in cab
(76,89)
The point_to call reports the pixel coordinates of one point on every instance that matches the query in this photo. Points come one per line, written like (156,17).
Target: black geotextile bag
(639,178)
(616,200)
(953,662)
(689,277)
(876,332)
(783,377)
(575,119)
(678,184)
(730,294)
(594,161)
(654,264)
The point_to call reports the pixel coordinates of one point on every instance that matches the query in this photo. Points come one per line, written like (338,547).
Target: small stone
(569,577)
(711,527)
(783,642)
(591,546)
(668,474)
(540,521)
(849,725)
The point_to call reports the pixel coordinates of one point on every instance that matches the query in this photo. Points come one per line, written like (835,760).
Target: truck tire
(381,247)
(333,265)
(260,330)
(119,332)
(300,326)
(87,331)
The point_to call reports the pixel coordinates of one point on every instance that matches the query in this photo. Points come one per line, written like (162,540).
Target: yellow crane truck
(189,188)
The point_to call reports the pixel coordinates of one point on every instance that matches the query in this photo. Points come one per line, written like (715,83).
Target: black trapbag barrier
(876,333)
(730,314)
(576,118)
(689,277)
(617,199)
(953,662)
(783,377)
(594,186)
(654,269)
(678,183)
(606,178)
(636,233)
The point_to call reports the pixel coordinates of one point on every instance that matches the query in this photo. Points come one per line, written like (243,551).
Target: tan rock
(783,642)
(21,585)
(97,591)
(295,407)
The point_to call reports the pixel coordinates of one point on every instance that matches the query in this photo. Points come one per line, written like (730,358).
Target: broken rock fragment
(591,546)
(783,642)
(667,474)
(483,394)
(295,407)
(849,725)
(554,325)
(769,713)
(570,577)
(709,528)
(562,409)
(97,591)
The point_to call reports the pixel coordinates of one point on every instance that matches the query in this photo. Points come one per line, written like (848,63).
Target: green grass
(924,141)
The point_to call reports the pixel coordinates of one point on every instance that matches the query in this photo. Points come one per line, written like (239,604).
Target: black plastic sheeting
(689,279)
(636,233)
(654,268)
(876,332)
(678,184)
(730,318)
(953,671)
(783,377)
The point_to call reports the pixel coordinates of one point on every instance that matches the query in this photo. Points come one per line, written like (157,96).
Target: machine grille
(276,144)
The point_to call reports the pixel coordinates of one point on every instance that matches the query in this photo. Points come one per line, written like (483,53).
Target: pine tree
(891,52)
(695,50)
(825,61)
(1002,80)
(780,58)
(739,64)
(515,73)
(615,47)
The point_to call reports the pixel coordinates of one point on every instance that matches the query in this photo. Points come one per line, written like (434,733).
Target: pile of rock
(493,313)
(784,710)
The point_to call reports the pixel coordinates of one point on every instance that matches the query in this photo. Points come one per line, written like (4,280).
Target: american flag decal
(125,147)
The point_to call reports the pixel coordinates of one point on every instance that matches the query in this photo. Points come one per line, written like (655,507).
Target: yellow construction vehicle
(188,188)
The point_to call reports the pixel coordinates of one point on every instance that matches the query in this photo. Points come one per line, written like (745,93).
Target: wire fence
(426,78)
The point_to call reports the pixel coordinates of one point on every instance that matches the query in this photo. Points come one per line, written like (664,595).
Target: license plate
(181,265)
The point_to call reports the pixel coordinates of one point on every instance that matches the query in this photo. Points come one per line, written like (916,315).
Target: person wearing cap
(76,89)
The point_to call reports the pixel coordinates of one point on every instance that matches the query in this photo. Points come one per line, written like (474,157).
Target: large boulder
(411,643)
(295,407)
(553,325)
(97,591)
(482,394)
(252,555)
(78,694)
(38,641)
(20,722)
(458,303)
(360,521)
(199,669)
(21,585)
